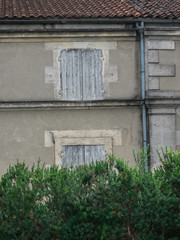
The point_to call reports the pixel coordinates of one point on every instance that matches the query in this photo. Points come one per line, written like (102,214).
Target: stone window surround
(107,142)
(57,139)
(109,72)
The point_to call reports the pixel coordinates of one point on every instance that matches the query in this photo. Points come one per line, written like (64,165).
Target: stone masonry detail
(52,73)
(156,69)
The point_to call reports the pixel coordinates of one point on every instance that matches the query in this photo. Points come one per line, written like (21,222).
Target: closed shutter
(79,155)
(95,153)
(71,77)
(81,74)
(92,74)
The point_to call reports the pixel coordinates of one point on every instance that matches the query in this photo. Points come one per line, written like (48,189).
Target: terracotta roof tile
(169,9)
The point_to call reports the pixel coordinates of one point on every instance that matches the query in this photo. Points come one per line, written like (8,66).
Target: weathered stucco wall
(22,67)
(163,66)
(23,132)
(178,128)
(171,57)
(31,70)
(163,91)
(127,58)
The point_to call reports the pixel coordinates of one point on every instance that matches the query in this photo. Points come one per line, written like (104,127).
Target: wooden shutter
(95,153)
(79,155)
(81,74)
(92,74)
(72,155)
(71,79)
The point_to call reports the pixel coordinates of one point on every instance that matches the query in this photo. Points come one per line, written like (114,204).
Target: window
(81,150)
(59,139)
(81,74)
(82,154)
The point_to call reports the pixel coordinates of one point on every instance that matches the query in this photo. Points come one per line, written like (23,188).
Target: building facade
(77,89)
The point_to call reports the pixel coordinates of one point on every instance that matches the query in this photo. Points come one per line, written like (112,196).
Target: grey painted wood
(72,155)
(94,153)
(70,69)
(92,74)
(81,74)
(79,155)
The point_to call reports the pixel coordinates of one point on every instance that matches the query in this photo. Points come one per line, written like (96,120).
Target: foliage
(106,200)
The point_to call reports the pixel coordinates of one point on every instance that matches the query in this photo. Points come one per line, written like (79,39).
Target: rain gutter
(84,21)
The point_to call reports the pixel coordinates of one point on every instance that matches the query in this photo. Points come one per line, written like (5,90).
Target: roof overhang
(85,20)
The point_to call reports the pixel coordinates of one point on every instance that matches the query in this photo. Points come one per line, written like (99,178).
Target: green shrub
(106,200)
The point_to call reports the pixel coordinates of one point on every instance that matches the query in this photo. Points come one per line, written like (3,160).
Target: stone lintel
(52,136)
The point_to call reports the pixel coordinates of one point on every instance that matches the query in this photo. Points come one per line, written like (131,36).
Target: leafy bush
(106,200)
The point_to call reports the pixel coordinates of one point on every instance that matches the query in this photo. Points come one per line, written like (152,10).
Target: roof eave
(85,20)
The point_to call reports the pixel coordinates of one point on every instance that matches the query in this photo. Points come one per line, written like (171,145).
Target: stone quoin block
(164,45)
(154,83)
(161,70)
(153,56)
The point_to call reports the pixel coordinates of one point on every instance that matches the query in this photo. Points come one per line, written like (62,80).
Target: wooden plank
(82,154)
(94,153)
(72,155)
(70,69)
(92,74)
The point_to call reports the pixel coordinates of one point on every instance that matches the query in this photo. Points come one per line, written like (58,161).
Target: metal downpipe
(143,91)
